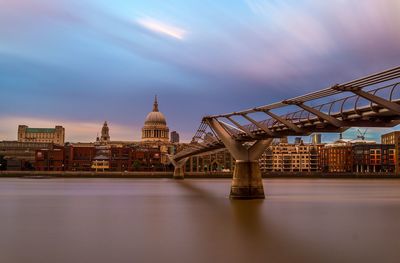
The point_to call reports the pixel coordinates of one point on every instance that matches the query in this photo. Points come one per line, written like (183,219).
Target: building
(285,157)
(155,133)
(110,157)
(357,156)
(50,159)
(17,156)
(123,159)
(174,137)
(336,158)
(3,163)
(393,138)
(284,139)
(297,140)
(372,158)
(155,126)
(101,160)
(79,156)
(44,135)
(316,138)
(217,161)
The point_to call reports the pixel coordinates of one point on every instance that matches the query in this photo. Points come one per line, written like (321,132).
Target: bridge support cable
(247,180)
(200,132)
(393,107)
(287,123)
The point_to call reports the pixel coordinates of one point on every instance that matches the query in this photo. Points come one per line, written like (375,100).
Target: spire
(155,105)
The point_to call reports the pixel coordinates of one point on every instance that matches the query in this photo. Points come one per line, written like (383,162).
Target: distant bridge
(371,101)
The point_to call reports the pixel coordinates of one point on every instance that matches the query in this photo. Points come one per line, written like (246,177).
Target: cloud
(92,55)
(28,13)
(162,28)
(75,131)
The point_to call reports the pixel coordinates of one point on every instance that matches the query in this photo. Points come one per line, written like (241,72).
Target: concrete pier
(247,181)
(178,172)
(179,167)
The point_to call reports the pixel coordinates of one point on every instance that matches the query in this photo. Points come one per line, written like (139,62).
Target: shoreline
(169,175)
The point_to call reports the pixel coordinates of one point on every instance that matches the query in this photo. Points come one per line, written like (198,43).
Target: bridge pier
(179,168)
(247,181)
(178,172)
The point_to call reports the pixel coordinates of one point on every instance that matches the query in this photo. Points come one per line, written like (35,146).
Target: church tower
(105,136)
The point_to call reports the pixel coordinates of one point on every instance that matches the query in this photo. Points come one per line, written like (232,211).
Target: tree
(136,165)
(3,163)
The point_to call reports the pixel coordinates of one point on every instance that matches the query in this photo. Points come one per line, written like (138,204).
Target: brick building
(336,158)
(92,157)
(50,159)
(79,157)
(393,138)
(357,157)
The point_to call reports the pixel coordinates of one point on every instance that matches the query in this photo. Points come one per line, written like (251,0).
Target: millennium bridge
(370,101)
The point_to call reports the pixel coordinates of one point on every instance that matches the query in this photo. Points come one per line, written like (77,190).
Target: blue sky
(78,63)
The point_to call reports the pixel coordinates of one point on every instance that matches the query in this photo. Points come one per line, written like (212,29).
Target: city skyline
(199,131)
(78,63)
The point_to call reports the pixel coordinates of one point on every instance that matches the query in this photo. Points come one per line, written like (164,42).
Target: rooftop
(40,130)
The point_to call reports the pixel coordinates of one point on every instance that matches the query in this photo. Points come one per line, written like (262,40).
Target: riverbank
(80,174)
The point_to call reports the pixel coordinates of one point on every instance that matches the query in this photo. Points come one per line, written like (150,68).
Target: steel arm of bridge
(284,122)
(332,120)
(260,126)
(394,107)
(238,151)
(178,166)
(241,127)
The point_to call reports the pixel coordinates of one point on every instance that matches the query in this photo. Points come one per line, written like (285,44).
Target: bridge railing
(342,107)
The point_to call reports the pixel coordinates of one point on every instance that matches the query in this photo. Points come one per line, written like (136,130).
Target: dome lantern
(155,105)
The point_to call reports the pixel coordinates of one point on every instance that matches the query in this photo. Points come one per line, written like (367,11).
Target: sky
(78,63)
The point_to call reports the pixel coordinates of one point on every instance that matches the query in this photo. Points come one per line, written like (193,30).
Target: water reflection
(107,220)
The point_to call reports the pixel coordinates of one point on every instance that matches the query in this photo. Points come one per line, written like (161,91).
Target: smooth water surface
(162,220)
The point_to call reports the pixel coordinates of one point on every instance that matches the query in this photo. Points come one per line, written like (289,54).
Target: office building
(43,135)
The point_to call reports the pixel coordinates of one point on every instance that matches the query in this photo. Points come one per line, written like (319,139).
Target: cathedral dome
(155,126)
(155,118)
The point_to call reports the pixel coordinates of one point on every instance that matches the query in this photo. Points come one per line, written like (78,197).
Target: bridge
(370,101)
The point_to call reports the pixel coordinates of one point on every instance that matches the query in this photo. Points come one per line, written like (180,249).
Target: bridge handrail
(370,80)
(297,115)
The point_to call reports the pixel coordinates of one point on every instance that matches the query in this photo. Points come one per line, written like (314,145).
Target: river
(162,220)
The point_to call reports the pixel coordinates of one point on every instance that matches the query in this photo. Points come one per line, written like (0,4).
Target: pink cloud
(74,130)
